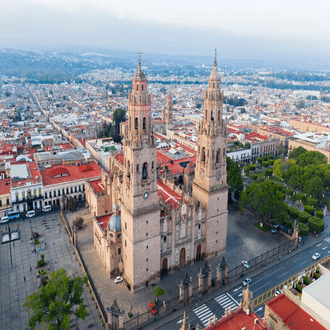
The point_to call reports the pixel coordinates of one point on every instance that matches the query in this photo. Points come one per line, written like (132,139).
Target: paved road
(201,313)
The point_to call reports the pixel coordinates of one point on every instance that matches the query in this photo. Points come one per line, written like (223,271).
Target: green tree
(311,158)
(158,292)
(281,150)
(265,200)
(294,154)
(234,179)
(119,116)
(294,176)
(78,222)
(314,187)
(53,305)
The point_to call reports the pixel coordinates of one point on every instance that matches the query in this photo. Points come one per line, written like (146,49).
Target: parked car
(277,292)
(247,281)
(316,256)
(4,219)
(246,264)
(119,279)
(152,308)
(277,226)
(46,208)
(274,231)
(30,214)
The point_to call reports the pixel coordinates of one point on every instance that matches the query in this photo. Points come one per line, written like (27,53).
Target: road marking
(319,244)
(327,239)
(325,247)
(242,294)
(204,313)
(237,289)
(261,286)
(296,260)
(304,262)
(283,274)
(226,300)
(259,309)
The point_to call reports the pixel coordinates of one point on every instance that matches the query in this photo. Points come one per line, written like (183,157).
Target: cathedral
(156,211)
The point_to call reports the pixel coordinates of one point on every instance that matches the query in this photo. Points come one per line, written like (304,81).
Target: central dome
(115,220)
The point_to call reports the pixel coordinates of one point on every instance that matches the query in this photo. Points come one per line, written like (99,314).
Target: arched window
(152,165)
(219,115)
(212,115)
(217,159)
(206,114)
(142,87)
(144,123)
(137,87)
(224,153)
(128,168)
(136,123)
(203,155)
(145,171)
(213,85)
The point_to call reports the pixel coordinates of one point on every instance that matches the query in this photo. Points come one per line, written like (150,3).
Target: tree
(314,187)
(158,292)
(234,179)
(265,199)
(294,176)
(280,167)
(78,222)
(311,158)
(281,150)
(294,154)
(54,304)
(72,204)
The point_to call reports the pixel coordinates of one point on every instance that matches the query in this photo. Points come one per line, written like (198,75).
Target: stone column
(219,279)
(209,277)
(200,281)
(121,321)
(190,289)
(181,289)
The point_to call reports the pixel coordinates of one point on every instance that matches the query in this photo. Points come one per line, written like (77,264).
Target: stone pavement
(14,289)
(244,242)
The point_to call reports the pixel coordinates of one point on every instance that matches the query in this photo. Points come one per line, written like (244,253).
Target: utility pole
(11,257)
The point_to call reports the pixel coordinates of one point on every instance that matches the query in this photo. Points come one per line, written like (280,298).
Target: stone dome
(115,220)
(139,75)
(215,75)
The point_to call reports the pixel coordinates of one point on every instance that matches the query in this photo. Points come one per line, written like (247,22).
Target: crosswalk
(204,314)
(327,239)
(226,300)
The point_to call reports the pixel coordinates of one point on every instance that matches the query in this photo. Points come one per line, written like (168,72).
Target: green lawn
(264,228)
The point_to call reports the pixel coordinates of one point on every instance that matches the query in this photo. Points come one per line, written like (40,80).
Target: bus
(13,214)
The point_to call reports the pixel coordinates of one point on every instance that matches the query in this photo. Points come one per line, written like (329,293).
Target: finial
(139,65)
(215,57)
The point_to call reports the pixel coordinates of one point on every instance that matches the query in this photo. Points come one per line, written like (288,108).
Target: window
(0,202)
(217,159)
(137,87)
(46,195)
(59,192)
(71,190)
(147,247)
(147,259)
(50,194)
(75,189)
(7,202)
(137,167)
(147,234)
(142,87)
(145,171)
(63,192)
(212,115)
(219,115)
(213,85)
(79,187)
(126,225)
(147,269)
(119,250)
(203,155)
(125,243)
(67,190)
(147,222)
(54,193)
(165,238)
(144,123)
(136,123)
(152,165)
(83,187)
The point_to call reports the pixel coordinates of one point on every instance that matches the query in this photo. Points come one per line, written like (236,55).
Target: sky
(240,29)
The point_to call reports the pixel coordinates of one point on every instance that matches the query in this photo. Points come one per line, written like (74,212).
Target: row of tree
(113,129)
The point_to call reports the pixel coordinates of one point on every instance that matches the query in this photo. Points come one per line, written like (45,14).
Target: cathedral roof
(115,220)
(215,75)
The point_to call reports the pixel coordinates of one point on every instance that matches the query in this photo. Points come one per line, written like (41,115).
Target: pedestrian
(45,243)
(303,242)
(24,278)
(30,268)
(22,240)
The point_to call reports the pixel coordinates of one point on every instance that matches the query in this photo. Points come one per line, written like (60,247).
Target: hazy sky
(239,28)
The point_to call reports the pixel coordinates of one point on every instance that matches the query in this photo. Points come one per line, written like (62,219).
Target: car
(277,226)
(274,231)
(247,281)
(246,264)
(46,208)
(4,219)
(30,214)
(316,256)
(119,279)
(152,308)
(277,292)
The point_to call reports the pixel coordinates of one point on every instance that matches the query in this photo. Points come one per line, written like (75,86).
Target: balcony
(27,199)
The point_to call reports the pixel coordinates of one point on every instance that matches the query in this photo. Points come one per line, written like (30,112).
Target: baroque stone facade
(165,223)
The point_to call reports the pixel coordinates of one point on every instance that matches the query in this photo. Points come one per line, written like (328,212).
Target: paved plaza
(18,281)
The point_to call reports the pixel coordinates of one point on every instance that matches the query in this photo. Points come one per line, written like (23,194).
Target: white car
(4,219)
(316,256)
(46,208)
(277,292)
(119,279)
(30,214)
(247,281)
(246,264)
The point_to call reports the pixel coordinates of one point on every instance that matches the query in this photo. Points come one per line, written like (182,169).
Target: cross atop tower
(215,58)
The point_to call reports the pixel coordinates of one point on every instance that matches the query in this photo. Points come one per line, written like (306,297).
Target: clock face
(218,176)
(202,173)
(146,195)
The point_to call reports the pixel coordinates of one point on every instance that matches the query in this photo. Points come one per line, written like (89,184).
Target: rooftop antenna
(215,57)
(139,65)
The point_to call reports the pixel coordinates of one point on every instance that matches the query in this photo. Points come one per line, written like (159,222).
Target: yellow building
(5,203)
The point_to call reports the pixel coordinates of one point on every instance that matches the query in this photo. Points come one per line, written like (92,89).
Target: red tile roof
(103,220)
(237,321)
(293,316)
(170,197)
(58,171)
(4,188)
(120,157)
(97,185)
(74,173)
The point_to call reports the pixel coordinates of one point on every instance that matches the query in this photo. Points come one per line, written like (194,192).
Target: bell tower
(169,112)
(140,210)
(210,187)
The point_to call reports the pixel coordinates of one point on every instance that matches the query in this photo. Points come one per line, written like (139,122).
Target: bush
(309,209)
(270,156)
(306,280)
(319,214)
(280,187)
(300,197)
(316,275)
(246,170)
(271,162)
(36,242)
(78,222)
(283,195)
(316,224)
(293,212)
(41,263)
(303,229)
(253,176)
(289,191)
(252,167)
(311,201)
(43,272)
(268,172)
(259,159)
(263,228)
(298,288)
(303,217)
(317,269)
(265,164)
(288,222)
(264,157)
